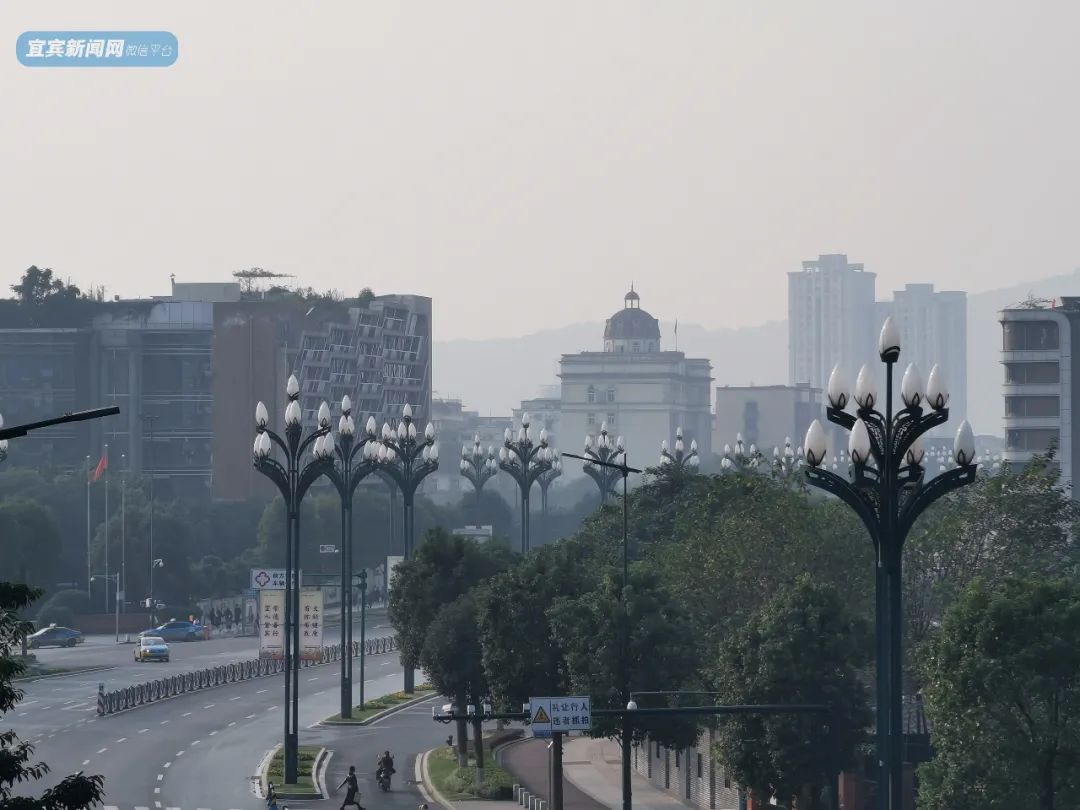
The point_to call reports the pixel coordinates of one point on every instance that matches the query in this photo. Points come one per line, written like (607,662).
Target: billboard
(311,623)
(271,624)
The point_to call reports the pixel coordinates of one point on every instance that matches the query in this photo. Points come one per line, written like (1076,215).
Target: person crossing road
(352,792)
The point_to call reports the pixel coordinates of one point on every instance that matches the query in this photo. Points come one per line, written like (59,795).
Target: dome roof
(632,324)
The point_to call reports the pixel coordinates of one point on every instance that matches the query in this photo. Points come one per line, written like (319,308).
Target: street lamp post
(547,478)
(293,479)
(680,459)
(888,492)
(621,470)
(524,462)
(406,459)
(115,578)
(478,468)
(601,461)
(345,476)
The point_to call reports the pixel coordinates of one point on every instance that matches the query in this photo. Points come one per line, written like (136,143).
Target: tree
(451,659)
(1002,682)
(663,651)
(29,540)
(443,568)
(76,792)
(38,285)
(803,646)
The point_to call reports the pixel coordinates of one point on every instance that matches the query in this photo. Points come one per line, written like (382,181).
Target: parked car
(53,636)
(152,648)
(174,630)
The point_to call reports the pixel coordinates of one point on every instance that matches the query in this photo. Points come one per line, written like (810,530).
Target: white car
(152,648)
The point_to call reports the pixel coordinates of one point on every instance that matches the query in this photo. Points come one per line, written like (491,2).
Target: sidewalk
(592,771)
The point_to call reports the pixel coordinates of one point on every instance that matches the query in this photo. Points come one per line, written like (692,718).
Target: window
(1036,440)
(1031,374)
(1032,406)
(636,347)
(590,420)
(611,393)
(590,395)
(611,420)
(727,780)
(677,758)
(658,750)
(1022,336)
(700,766)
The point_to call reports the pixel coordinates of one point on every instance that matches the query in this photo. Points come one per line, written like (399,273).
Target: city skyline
(699,147)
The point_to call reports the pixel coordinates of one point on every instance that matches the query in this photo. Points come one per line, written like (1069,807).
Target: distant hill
(493,376)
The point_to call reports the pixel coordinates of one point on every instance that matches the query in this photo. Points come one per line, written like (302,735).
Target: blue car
(53,636)
(174,630)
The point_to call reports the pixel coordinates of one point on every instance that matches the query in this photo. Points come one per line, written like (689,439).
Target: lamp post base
(410,686)
(291,759)
(346,695)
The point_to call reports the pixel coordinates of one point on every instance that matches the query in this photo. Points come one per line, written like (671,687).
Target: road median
(380,707)
(311,766)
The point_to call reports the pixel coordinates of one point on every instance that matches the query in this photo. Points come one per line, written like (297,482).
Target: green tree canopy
(29,539)
(1002,681)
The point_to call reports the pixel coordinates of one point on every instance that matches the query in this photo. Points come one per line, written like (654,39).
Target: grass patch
(460,783)
(307,755)
(380,704)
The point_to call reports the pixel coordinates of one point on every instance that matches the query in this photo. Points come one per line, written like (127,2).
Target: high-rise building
(1039,341)
(640,391)
(830,320)
(933,330)
(766,415)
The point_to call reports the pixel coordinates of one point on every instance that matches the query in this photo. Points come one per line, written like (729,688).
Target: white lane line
(369,681)
(212,733)
(160,776)
(102,750)
(122,739)
(157,791)
(45,708)
(163,723)
(386,663)
(209,705)
(313,679)
(271,708)
(74,706)
(250,717)
(86,762)
(50,736)
(110,807)
(179,753)
(260,691)
(172,808)
(232,724)
(235,698)
(196,742)
(186,714)
(157,804)
(143,730)
(166,765)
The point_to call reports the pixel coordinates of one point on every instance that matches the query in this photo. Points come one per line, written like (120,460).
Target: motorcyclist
(385,765)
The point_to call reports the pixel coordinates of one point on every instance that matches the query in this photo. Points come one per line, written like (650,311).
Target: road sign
(562,714)
(311,613)
(272,623)
(327,549)
(268,579)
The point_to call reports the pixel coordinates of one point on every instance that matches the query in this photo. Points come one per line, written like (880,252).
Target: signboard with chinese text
(311,623)
(273,579)
(272,624)
(559,714)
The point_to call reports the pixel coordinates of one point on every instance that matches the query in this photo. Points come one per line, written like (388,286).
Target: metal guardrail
(130,697)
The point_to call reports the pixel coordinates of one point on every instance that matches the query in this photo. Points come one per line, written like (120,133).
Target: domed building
(637,389)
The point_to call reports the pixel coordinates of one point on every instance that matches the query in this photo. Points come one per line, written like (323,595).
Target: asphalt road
(200,750)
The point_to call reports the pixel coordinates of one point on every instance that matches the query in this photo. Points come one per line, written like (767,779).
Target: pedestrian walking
(228,619)
(352,792)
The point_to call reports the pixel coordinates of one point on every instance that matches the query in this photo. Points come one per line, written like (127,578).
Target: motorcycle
(382,777)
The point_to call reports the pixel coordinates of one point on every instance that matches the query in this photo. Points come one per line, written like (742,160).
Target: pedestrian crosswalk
(159,807)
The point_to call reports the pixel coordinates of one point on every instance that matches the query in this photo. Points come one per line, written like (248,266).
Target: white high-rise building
(831,318)
(933,330)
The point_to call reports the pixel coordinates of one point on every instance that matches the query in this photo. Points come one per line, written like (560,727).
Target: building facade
(637,389)
(1038,345)
(766,415)
(831,320)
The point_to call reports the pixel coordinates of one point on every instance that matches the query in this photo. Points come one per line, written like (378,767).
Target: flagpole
(107,569)
(123,530)
(89,570)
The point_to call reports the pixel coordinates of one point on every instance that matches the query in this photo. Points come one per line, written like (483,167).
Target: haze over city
(491,155)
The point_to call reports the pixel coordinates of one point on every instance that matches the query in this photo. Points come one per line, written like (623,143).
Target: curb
(317,770)
(427,787)
(379,716)
(70,674)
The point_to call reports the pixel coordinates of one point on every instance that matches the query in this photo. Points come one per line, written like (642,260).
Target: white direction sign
(327,549)
(559,714)
(268,579)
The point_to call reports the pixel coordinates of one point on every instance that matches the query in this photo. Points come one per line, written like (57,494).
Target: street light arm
(939,486)
(273,470)
(835,485)
(276,439)
(359,473)
(310,439)
(311,473)
(336,478)
(911,423)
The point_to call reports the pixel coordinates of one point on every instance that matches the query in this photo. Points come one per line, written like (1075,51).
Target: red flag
(102,465)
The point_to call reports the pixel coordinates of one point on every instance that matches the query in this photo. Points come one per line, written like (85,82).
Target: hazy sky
(523,162)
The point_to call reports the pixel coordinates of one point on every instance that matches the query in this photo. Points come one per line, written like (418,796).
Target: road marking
(231,725)
(45,708)
(157,791)
(186,714)
(122,739)
(209,705)
(369,681)
(259,692)
(143,730)
(51,736)
(86,762)
(157,804)
(196,742)
(102,750)
(250,717)
(313,679)
(212,733)
(271,708)
(110,807)
(160,776)
(75,706)
(163,722)
(235,698)
(179,753)
(166,765)
(386,663)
